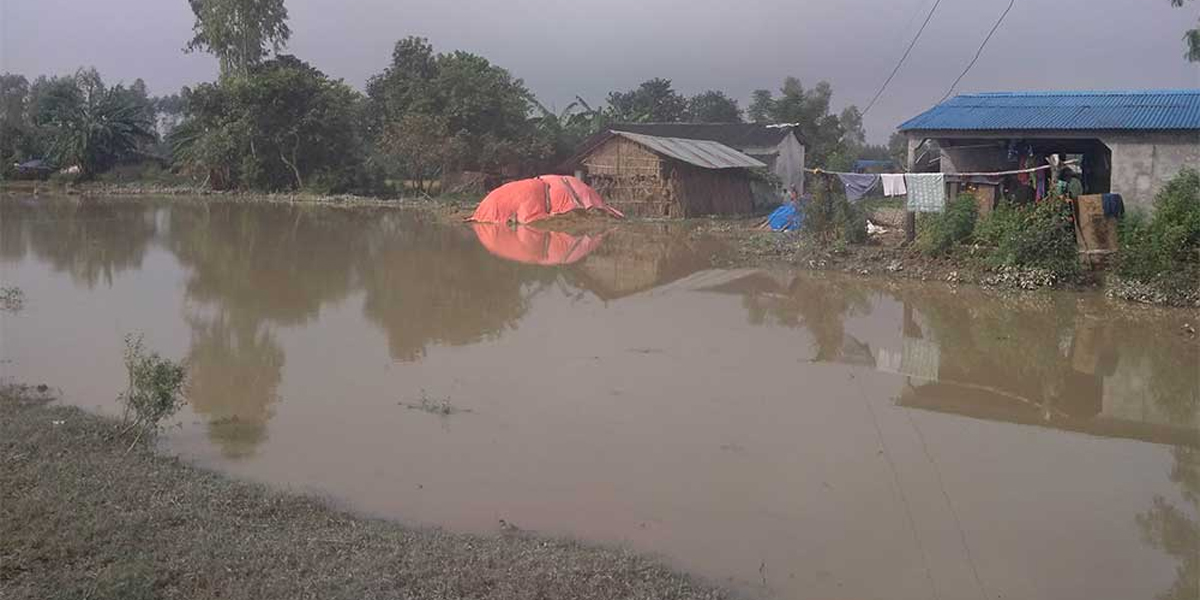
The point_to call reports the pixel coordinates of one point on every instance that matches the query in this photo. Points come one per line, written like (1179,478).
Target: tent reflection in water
(535,246)
(529,200)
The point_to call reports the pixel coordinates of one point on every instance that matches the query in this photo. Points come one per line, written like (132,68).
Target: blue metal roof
(1102,110)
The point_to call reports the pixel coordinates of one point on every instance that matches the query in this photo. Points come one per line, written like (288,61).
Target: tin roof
(706,154)
(739,136)
(1091,110)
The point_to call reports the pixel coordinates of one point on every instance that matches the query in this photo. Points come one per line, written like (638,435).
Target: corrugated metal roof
(702,153)
(1096,110)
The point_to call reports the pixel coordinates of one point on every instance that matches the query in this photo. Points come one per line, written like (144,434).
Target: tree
(420,145)
(654,101)
(16,134)
(898,148)
(713,107)
(89,125)
(482,111)
(821,132)
(240,33)
(1191,38)
(762,106)
(283,125)
(853,135)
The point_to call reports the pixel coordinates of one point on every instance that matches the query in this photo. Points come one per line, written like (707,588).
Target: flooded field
(789,434)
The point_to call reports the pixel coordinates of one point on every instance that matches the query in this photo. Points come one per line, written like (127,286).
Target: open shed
(1128,142)
(651,176)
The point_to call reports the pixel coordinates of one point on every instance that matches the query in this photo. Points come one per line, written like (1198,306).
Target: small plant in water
(155,388)
(12,299)
(440,406)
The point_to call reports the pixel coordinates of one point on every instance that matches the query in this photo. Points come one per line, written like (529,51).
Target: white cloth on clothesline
(893,184)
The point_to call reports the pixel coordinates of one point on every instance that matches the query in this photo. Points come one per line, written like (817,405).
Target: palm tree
(93,127)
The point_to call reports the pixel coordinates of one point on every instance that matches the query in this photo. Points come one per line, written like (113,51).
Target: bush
(155,387)
(1163,248)
(1040,236)
(829,216)
(1002,222)
(941,232)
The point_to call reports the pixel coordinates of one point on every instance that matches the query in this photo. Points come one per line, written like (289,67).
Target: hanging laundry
(926,192)
(893,184)
(1022,178)
(1041,185)
(858,184)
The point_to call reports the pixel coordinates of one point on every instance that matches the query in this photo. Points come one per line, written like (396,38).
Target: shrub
(1040,236)
(997,225)
(155,387)
(1162,248)
(829,216)
(940,232)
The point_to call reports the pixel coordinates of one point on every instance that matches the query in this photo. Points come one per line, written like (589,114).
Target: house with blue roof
(1128,142)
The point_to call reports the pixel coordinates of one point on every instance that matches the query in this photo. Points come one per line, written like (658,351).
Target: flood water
(788,434)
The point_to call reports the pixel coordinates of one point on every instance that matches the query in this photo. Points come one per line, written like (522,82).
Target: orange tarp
(534,246)
(530,200)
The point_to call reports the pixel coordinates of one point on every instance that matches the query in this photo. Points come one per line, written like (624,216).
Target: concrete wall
(1143,163)
(975,159)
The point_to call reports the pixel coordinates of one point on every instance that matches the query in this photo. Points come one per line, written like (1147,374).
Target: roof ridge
(1051,93)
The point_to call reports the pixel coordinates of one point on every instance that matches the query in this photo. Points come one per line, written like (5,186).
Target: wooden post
(910,218)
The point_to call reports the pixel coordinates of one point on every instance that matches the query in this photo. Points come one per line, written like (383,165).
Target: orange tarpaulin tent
(534,246)
(530,200)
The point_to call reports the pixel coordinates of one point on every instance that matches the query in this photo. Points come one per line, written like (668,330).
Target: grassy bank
(80,517)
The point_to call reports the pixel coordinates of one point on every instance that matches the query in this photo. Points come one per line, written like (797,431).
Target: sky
(563,48)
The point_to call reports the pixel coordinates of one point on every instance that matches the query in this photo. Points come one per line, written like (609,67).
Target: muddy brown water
(789,434)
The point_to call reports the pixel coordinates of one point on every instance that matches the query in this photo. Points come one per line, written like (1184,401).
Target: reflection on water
(534,246)
(234,371)
(812,435)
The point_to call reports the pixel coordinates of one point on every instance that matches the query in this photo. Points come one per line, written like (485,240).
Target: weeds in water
(439,406)
(155,388)
(12,299)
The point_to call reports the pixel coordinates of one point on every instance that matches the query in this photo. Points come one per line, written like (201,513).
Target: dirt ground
(82,517)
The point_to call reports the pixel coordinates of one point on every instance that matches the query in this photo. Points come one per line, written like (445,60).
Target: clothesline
(993,174)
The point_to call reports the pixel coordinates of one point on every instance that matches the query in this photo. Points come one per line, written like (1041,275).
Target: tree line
(273,122)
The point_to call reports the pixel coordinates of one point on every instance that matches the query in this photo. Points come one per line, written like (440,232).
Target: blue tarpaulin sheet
(786,218)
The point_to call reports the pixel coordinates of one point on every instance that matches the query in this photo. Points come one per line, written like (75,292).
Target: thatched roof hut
(650,176)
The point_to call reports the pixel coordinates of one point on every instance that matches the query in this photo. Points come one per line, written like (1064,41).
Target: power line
(979,51)
(902,58)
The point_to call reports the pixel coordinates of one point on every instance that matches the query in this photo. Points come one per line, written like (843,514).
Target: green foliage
(91,126)
(1039,236)
(1163,249)
(897,147)
(1191,39)
(713,107)
(941,232)
(18,137)
(822,132)
(155,388)
(480,111)
(283,125)
(654,101)
(830,218)
(240,33)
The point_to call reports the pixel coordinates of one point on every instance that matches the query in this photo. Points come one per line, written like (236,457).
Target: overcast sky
(563,48)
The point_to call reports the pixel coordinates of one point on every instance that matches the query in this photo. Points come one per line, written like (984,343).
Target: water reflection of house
(634,261)
(1065,368)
